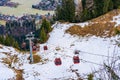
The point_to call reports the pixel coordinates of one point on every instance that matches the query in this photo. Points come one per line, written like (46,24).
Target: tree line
(99,7)
(9,41)
(43,33)
(15,33)
(66,12)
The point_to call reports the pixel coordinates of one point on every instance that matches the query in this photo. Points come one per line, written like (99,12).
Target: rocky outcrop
(89,4)
(79,8)
(78,5)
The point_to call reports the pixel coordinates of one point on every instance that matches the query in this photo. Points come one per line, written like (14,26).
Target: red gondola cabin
(57,61)
(76,59)
(45,48)
(34,48)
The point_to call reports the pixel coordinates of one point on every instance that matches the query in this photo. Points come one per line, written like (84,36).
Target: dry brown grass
(7,61)
(34,52)
(19,75)
(101,26)
(10,59)
(13,59)
(97,29)
(36,58)
(107,17)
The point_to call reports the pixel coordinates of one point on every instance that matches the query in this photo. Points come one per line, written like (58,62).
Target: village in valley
(20,19)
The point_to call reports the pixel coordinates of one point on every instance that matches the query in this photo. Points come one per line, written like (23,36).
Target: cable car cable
(90,53)
(87,53)
(83,60)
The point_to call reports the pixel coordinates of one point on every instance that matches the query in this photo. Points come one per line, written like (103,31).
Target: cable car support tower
(30,37)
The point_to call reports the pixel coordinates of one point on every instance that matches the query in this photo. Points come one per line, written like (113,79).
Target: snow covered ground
(117,20)
(93,52)
(25,7)
(6,73)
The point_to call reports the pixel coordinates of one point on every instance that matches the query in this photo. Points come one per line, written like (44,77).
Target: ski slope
(94,51)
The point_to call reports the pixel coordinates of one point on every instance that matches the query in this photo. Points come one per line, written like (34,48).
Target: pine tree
(106,5)
(85,15)
(7,41)
(43,35)
(2,39)
(44,30)
(116,3)
(16,45)
(111,6)
(67,11)
(11,39)
(58,13)
(98,7)
(83,3)
(46,25)
(71,10)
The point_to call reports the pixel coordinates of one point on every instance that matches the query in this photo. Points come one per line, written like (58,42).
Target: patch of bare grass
(13,59)
(97,29)
(107,17)
(9,60)
(19,75)
(101,26)
(36,58)
(34,52)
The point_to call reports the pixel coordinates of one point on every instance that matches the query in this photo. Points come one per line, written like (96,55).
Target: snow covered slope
(93,52)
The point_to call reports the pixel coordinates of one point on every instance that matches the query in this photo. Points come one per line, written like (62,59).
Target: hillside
(94,51)
(103,26)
